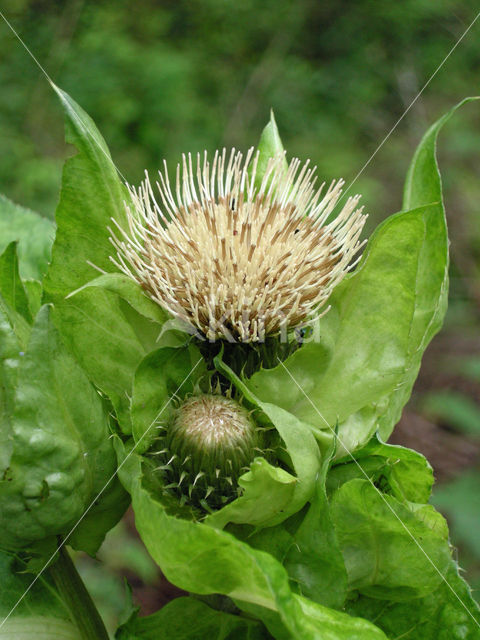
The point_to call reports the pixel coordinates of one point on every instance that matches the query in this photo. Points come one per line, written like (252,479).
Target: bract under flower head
(233,261)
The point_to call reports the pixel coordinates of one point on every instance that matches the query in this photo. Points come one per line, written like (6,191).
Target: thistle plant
(264,481)
(238,257)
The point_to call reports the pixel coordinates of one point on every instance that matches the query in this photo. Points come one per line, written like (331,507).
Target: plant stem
(80,605)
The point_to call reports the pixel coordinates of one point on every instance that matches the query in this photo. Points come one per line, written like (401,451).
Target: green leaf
(382,318)
(61,456)
(102,516)
(205,560)
(449,613)
(161,375)
(314,561)
(34,293)
(129,291)
(323,623)
(401,472)
(11,286)
(269,146)
(392,551)
(14,303)
(95,326)
(267,491)
(10,351)
(334,624)
(40,614)
(304,454)
(33,233)
(194,556)
(203,623)
(299,441)
(108,337)
(91,196)
(423,184)
(365,340)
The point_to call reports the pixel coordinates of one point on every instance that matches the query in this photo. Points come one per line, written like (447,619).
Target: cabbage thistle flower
(236,256)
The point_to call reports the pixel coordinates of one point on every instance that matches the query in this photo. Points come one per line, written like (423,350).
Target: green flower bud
(209,443)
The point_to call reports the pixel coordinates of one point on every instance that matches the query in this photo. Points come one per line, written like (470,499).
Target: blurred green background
(160,78)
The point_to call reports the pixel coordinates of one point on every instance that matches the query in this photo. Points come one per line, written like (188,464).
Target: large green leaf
(368,327)
(106,333)
(60,453)
(381,320)
(392,551)
(314,561)
(399,471)
(33,233)
(203,623)
(92,194)
(131,292)
(40,614)
(95,326)
(300,444)
(423,186)
(328,623)
(206,560)
(449,613)
(109,503)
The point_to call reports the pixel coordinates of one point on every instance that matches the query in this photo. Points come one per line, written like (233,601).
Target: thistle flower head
(236,261)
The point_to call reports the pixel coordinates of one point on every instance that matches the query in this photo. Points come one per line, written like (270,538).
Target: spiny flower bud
(209,443)
(233,261)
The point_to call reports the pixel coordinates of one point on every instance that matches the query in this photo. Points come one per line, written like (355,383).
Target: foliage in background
(162,77)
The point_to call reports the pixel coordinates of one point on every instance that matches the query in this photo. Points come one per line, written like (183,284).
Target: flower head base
(233,261)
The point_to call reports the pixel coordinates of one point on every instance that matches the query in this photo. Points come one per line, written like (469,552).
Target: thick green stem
(76,597)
